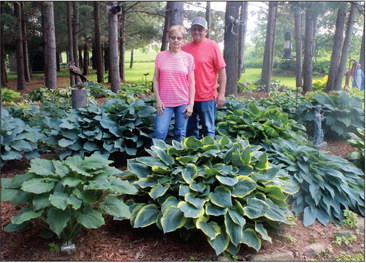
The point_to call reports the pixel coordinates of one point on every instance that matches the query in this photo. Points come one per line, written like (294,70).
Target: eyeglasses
(199,29)
(176,38)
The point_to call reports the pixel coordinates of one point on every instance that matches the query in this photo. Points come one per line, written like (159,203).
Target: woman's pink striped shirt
(174,70)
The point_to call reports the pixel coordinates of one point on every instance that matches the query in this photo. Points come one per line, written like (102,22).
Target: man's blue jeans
(204,111)
(162,123)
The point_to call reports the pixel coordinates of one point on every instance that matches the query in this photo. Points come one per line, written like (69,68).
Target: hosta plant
(17,139)
(357,141)
(9,95)
(256,123)
(67,196)
(328,184)
(226,189)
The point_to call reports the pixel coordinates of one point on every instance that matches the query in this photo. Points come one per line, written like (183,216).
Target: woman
(173,86)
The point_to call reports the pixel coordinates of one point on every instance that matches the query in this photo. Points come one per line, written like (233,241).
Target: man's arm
(220,100)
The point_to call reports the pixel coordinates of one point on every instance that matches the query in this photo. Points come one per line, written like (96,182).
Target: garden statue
(318,131)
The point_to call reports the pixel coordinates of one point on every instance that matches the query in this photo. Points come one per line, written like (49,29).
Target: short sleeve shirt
(174,70)
(208,60)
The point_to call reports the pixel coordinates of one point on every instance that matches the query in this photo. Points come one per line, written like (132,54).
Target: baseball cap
(201,21)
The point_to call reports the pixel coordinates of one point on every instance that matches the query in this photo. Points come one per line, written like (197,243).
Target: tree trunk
(298,40)
(113,50)
(58,61)
(45,60)
(164,39)
(86,59)
(362,53)
(50,46)
(81,61)
(310,19)
(242,36)
(208,16)
(4,77)
(19,49)
(131,59)
(269,46)
(98,46)
(231,48)
(345,48)
(71,40)
(27,74)
(75,42)
(122,48)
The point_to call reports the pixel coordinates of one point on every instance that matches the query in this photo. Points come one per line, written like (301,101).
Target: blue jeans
(162,123)
(205,112)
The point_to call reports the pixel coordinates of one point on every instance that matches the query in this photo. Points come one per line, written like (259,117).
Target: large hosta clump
(224,188)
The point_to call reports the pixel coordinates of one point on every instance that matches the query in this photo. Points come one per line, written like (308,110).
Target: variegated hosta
(225,188)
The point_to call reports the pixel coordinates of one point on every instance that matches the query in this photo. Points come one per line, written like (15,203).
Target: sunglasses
(176,38)
(199,29)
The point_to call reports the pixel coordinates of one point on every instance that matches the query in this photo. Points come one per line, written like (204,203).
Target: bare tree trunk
(98,46)
(75,32)
(71,40)
(208,16)
(269,46)
(19,49)
(298,40)
(27,74)
(58,61)
(131,59)
(164,39)
(337,47)
(4,77)
(86,59)
(362,53)
(309,48)
(50,45)
(231,48)
(122,48)
(113,51)
(80,52)
(242,36)
(345,48)
(45,60)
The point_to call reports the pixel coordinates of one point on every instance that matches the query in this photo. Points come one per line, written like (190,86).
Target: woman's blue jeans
(204,111)
(162,123)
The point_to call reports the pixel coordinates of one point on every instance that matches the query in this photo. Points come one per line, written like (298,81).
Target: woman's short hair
(178,28)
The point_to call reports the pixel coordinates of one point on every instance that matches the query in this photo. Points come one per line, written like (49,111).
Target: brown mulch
(118,241)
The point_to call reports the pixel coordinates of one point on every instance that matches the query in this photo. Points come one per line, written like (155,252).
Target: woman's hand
(159,107)
(188,110)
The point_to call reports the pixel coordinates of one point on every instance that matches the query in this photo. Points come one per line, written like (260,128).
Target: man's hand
(220,100)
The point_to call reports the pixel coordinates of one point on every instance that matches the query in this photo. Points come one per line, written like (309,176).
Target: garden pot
(79,98)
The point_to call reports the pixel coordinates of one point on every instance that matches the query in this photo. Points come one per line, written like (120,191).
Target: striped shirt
(174,70)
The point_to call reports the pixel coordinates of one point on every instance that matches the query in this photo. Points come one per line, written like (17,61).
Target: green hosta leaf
(59,200)
(197,187)
(183,189)
(25,216)
(211,229)
(224,141)
(115,207)
(99,182)
(172,219)
(309,216)
(122,186)
(251,239)
(262,231)
(221,197)
(192,143)
(8,194)
(160,170)
(255,208)
(158,190)
(160,144)
(42,167)
(37,186)
(166,158)
(89,218)
(18,180)
(74,202)
(268,175)
(57,220)
(233,230)
(190,210)
(189,173)
(146,182)
(150,161)
(275,213)
(139,169)
(220,243)
(226,180)
(237,217)
(186,159)
(211,171)
(262,163)
(71,181)
(95,162)
(215,210)
(60,169)
(170,201)
(22,146)
(74,163)
(14,228)
(195,201)
(88,196)
(146,216)
(245,186)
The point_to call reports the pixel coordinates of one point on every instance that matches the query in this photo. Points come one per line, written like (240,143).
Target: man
(209,67)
